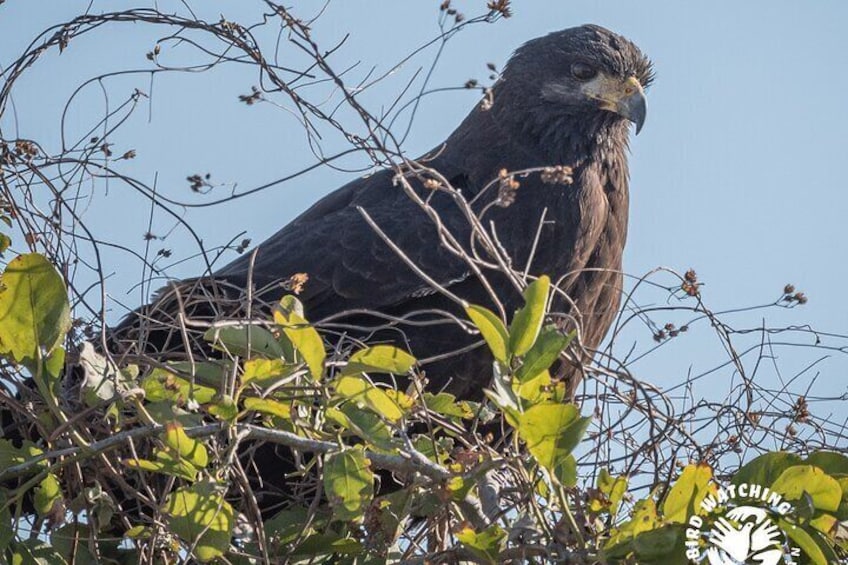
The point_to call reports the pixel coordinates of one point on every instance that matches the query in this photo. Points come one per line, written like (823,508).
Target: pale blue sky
(739,171)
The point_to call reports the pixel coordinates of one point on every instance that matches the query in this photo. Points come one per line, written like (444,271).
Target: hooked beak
(623,97)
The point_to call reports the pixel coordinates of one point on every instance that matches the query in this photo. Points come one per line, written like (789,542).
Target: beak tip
(636,112)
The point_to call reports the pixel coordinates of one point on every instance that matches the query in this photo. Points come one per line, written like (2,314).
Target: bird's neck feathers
(493,139)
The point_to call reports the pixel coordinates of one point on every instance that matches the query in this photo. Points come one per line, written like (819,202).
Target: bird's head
(585,78)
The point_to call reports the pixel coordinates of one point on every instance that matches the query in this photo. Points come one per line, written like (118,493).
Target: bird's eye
(583,71)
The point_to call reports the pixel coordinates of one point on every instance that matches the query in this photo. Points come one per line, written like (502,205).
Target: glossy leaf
(224,407)
(268,406)
(486,545)
(527,322)
(380,359)
(661,546)
(833,463)
(552,431)
(201,517)
(446,404)
(348,483)
(244,340)
(366,425)
(534,389)
(690,488)
(825,491)
(264,372)
(161,385)
(492,329)
(47,495)
(763,470)
(11,455)
(544,353)
(324,544)
(165,464)
(804,540)
(613,489)
(643,518)
(303,336)
(359,390)
(186,448)
(34,309)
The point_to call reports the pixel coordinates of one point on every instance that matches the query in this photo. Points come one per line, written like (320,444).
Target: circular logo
(740,532)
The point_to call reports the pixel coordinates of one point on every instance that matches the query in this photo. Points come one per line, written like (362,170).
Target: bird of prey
(564,101)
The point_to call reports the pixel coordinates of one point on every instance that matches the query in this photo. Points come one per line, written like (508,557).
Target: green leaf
(72,542)
(437,450)
(186,448)
(167,411)
(825,523)
(366,425)
(528,321)
(349,483)
(688,491)
(544,353)
(35,551)
(324,544)
(267,406)
(391,512)
(380,359)
(842,513)
(47,495)
(286,525)
(264,372)
(201,517)
(11,455)
(446,404)
(161,385)
(486,545)
(5,242)
(492,329)
(304,337)
(245,340)
(643,518)
(552,431)
(359,390)
(34,309)
(803,540)
(166,464)
(224,407)
(613,488)
(832,463)
(794,482)
(661,546)
(534,389)
(763,470)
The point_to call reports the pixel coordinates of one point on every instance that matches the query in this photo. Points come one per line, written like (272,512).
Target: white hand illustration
(767,534)
(735,542)
(741,513)
(770,557)
(718,557)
